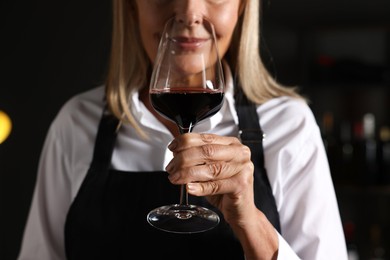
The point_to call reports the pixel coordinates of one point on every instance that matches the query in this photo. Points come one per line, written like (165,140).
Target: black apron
(107,219)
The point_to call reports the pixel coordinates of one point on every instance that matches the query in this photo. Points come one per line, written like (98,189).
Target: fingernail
(192,187)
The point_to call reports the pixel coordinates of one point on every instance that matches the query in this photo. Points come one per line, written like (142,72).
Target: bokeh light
(5,126)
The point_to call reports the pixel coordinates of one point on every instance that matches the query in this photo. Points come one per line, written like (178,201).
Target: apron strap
(104,144)
(252,135)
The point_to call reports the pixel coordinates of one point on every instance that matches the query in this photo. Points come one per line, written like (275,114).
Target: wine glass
(187,86)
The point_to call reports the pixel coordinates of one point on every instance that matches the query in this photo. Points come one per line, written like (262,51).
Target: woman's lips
(189,42)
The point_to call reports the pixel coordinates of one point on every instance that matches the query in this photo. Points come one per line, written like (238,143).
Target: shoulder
(78,118)
(287,120)
(287,111)
(82,108)
(286,108)
(86,102)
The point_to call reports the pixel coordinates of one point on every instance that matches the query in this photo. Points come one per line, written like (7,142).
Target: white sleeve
(285,251)
(311,221)
(299,173)
(43,235)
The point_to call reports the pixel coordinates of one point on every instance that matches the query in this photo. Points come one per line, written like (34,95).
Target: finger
(207,161)
(234,185)
(209,153)
(185,141)
(205,172)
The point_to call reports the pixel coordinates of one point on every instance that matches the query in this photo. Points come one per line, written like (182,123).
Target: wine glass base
(183,219)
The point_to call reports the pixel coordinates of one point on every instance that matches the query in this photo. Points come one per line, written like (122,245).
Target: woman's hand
(215,166)
(221,169)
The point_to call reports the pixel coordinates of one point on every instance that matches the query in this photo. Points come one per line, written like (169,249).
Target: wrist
(258,237)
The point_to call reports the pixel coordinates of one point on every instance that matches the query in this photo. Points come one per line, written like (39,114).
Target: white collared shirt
(294,154)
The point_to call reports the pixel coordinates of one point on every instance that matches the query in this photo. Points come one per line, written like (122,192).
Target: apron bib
(107,219)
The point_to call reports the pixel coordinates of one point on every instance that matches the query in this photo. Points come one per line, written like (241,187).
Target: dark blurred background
(50,50)
(336,51)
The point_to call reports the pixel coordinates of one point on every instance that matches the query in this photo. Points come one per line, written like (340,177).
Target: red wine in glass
(186,107)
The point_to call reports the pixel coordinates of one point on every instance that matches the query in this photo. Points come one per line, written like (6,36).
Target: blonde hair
(129,65)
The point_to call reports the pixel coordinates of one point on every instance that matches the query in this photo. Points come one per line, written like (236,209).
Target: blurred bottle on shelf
(346,141)
(365,156)
(357,152)
(350,238)
(377,250)
(346,153)
(330,141)
(328,130)
(384,154)
(370,149)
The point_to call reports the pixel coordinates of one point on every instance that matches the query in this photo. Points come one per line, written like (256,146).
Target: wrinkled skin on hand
(217,167)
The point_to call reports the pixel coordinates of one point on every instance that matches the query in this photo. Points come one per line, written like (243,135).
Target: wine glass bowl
(187,86)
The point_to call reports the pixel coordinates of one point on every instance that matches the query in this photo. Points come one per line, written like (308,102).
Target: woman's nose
(190,12)
(189,19)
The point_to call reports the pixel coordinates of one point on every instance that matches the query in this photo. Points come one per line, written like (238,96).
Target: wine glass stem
(183,188)
(183,195)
